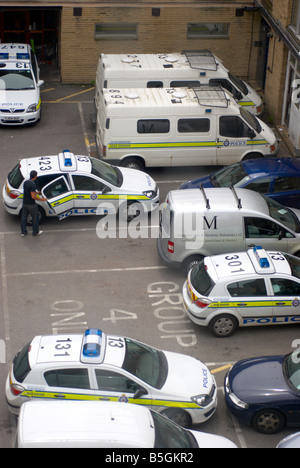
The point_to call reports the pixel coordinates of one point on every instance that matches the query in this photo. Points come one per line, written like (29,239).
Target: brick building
(257,40)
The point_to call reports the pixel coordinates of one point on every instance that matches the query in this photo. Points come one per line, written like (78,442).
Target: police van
(20,101)
(178,127)
(196,223)
(96,366)
(186,69)
(243,289)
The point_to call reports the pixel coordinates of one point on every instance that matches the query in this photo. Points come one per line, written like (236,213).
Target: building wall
(79,50)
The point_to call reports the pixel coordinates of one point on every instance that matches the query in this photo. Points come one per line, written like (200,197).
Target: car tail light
(170,247)
(16,389)
(103,151)
(202,303)
(12,193)
(273,148)
(259,109)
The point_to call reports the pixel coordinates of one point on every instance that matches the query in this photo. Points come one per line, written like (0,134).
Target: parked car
(278,178)
(264,392)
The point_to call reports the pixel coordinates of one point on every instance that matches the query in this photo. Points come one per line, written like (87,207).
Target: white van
(20,83)
(146,127)
(100,424)
(178,70)
(197,223)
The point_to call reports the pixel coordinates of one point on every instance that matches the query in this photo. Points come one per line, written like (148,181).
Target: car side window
(261,227)
(284,184)
(113,381)
(85,183)
(58,187)
(41,181)
(247,288)
(69,378)
(261,185)
(285,287)
(233,127)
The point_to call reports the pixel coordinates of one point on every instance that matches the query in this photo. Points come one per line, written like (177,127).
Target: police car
(243,289)
(20,83)
(81,185)
(101,367)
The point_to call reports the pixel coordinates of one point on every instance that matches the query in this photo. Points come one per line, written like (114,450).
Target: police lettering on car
(256,287)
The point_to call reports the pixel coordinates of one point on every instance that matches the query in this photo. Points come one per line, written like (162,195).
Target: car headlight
(235,400)
(150,193)
(202,400)
(31,108)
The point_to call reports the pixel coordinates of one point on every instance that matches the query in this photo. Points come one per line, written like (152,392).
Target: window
(153,126)
(260,227)
(85,183)
(116,31)
(295,21)
(261,185)
(68,378)
(285,287)
(193,125)
(113,382)
(184,84)
(233,127)
(58,187)
(215,30)
(247,288)
(155,84)
(227,85)
(283,184)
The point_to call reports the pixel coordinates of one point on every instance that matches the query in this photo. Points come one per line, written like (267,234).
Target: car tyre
(268,421)
(133,163)
(179,416)
(130,210)
(223,325)
(191,262)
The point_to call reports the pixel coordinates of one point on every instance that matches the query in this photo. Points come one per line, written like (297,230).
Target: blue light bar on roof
(67,158)
(260,256)
(4,56)
(92,342)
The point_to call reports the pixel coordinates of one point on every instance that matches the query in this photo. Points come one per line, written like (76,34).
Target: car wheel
(223,326)
(133,163)
(252,156)
(191,262)
(128,211)
(179,416)
(268,421)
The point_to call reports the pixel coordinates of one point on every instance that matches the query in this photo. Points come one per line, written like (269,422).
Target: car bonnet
(136,181)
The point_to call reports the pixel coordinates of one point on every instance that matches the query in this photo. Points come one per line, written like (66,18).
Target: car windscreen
(15,177)
(201,280)
(169,435)
(283,215)
(146,363)
(250,119)
(291,368)
(16,80)
(294,263)
(110,174)
(229,176)
(21,365)
(238,83)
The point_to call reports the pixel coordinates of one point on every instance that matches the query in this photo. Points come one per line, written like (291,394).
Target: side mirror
(140,392)
(251,133)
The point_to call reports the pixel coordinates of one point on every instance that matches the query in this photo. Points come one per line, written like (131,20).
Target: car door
(73,383)
(250,300)
(265,232)
(234,139)
(60,197)
(286,297)
(92,196)
(115,385)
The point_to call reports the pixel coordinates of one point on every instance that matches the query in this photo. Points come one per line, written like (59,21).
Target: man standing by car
(30,207)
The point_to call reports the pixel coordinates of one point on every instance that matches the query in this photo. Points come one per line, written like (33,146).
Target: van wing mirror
(251,133)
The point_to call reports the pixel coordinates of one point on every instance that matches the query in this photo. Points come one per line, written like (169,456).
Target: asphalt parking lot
(69,279)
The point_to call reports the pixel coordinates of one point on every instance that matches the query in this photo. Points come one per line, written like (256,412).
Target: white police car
(101,367)
(81,185)
(20,83)
(243,289)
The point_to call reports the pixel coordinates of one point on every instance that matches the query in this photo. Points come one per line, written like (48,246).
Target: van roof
(15,52)
(85,423)
(174,99)
(218,199)
(196,62)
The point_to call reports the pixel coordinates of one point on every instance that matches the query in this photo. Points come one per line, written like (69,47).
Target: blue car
(264,392)
(278,178)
